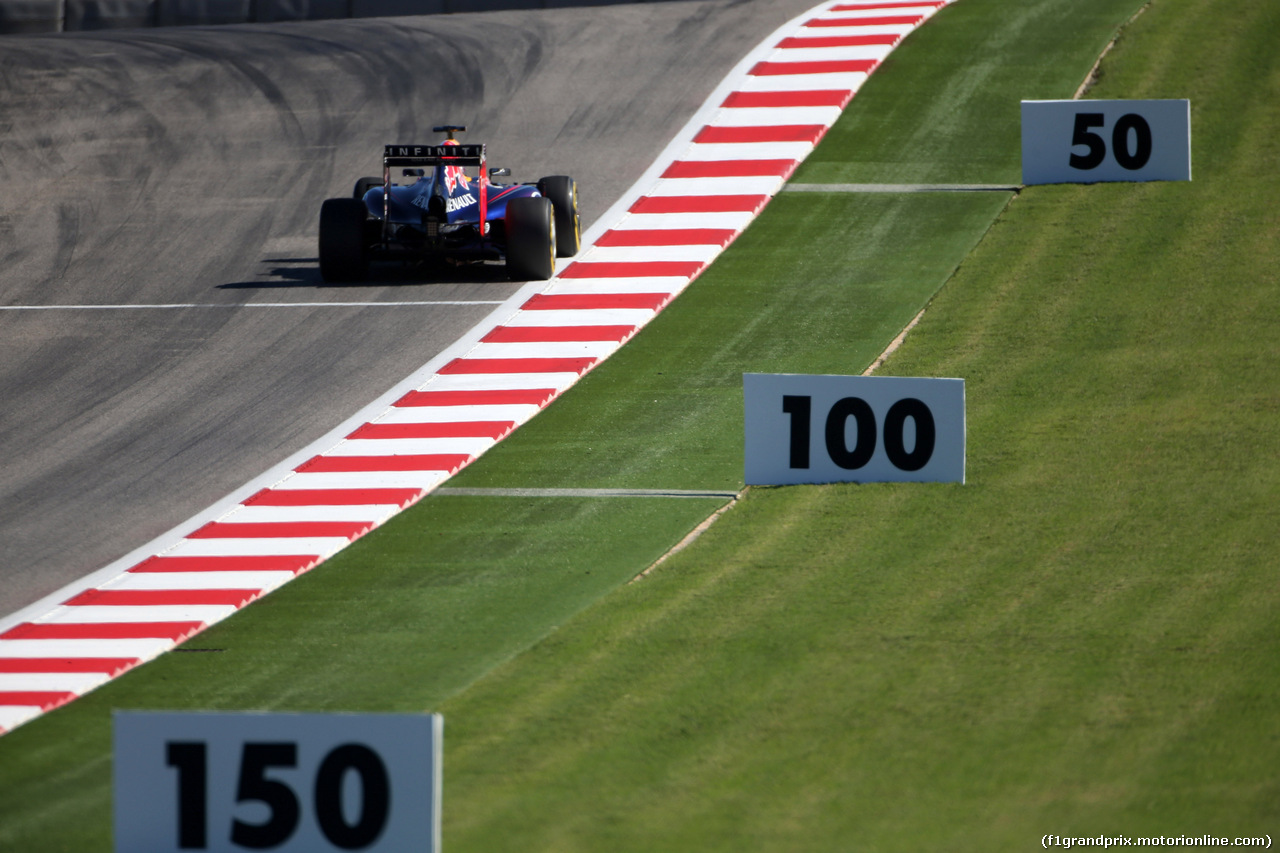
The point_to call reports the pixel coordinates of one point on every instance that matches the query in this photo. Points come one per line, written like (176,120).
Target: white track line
(702,191)
(238,305)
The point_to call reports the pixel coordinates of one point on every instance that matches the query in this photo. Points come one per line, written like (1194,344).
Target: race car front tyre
(343,254)
(563,192)
(531,239)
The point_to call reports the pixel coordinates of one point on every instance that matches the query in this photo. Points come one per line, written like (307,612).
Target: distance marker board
(290,783)
(842,429)
(1087,142)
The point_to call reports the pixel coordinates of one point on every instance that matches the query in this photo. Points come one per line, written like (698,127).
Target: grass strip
(1079,642)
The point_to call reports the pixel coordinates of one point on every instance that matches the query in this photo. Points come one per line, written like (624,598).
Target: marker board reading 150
(864,429)
(292,783)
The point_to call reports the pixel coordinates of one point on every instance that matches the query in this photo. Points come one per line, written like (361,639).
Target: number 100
(864,447)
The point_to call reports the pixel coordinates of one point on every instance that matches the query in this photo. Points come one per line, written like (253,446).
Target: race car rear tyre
(364,185)
(343,254)
(563,192)
(531,239)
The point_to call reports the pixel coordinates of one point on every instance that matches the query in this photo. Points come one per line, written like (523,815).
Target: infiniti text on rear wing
(433,155)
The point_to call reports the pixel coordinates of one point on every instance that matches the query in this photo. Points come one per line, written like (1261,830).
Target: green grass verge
(944,107)
(1080,641)
(1075,643)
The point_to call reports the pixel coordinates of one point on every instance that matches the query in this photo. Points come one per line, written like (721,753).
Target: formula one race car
(444,214)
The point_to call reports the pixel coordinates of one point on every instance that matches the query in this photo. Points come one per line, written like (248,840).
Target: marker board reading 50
(1094,141)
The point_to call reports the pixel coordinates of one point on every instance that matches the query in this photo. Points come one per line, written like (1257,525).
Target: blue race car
(443,214)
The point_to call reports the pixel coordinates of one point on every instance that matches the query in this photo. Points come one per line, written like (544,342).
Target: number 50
(1127,127)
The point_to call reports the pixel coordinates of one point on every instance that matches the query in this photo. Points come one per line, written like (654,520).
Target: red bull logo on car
(454,175)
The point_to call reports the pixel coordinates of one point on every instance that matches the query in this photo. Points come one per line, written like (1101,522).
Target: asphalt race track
(146,169)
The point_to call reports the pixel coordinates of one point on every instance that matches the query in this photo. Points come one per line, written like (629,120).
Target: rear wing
(449,156)
(433,155)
